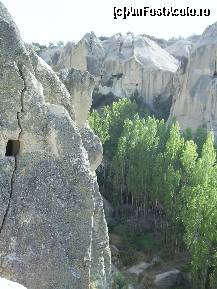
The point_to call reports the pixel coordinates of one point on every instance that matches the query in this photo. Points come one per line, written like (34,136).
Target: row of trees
(152,166)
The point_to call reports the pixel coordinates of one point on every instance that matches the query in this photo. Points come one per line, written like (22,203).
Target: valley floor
(139,257)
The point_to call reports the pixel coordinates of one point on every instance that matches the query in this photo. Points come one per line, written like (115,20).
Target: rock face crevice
(21,98)
(54,233)
(15,158)
(9,199)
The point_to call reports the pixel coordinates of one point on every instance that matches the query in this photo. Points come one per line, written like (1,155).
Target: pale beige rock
(65,56)
(124,65)
(80,86)
(136,64)
(93,146)
(87,54)
(181,48)
(54,90)
(51,55)
(196,103)
(53,232)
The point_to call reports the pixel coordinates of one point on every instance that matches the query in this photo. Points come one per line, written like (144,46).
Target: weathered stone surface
(87,54)
(12,54)
(136,65)
(169,280)
(124,65)
(196,103)
(80,85)
(143,66)
(65,56)
(108,209)
(53,232)
(139,268)
(93,146)
(51,55)
(54,90)
(181,48)
(6,284)
(101,255)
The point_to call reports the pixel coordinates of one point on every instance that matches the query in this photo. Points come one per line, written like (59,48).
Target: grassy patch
(146,242)
(132,244)
(119,281)
(186,268)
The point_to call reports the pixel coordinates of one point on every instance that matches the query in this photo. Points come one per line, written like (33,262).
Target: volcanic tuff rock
(124,65)
(181,48)
(87,54)
(130,65)
(53,232)
(196,103)
(51,55)
(136,65)
(80,86)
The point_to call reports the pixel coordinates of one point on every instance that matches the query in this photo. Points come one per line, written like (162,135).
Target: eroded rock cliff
(176,77)
(136,65)
(123,66)
(196,103)
(53,232)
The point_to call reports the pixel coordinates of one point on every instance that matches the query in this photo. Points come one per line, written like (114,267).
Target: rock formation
(137,66)
(171,279)
(53,232)
(87,54)
(52,55)
(143,66)
(181,48)
(196,103)
(123,66)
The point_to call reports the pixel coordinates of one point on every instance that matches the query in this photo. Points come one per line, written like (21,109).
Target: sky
(46,21)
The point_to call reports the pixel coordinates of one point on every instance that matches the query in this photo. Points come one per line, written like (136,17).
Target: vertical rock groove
(15,157)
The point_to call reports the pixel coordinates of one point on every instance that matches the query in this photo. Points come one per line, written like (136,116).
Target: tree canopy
(152,162)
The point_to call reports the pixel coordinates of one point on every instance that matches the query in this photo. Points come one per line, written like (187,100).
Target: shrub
(119,281)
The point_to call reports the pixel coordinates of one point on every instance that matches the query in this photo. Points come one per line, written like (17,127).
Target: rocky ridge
(177,74)
(123,65)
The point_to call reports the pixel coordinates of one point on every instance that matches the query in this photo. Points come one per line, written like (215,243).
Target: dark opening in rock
(12,148)
(215,72)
